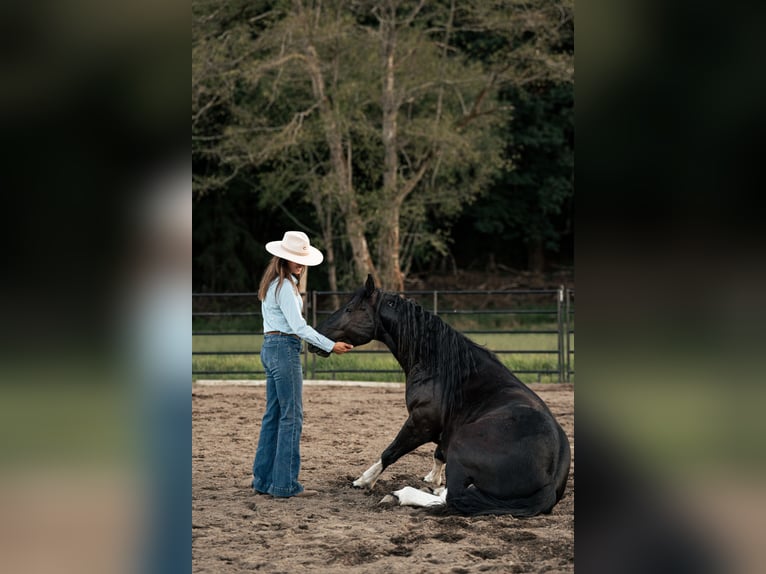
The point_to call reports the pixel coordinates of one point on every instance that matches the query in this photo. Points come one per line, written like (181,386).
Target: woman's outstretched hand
(341,347)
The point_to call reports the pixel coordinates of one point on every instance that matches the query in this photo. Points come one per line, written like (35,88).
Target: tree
(281,116)
(381,114)
(530,200)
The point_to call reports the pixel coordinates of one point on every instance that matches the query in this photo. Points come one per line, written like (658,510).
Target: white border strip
(306,383)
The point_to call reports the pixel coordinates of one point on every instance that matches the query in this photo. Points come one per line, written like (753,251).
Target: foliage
(372,125)
(532,201)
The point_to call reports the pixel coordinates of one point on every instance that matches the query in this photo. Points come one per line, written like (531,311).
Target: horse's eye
(348,309)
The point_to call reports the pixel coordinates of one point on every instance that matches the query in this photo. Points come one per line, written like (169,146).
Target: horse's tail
(472,501)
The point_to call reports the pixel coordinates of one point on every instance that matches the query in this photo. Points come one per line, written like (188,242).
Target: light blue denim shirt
(282,311)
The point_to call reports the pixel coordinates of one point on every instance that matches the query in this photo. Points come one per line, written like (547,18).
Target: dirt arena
(344,529)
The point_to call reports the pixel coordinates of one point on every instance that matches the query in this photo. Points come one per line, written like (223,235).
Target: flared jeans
(278,456)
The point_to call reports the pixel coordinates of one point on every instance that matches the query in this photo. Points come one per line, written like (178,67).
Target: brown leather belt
(281,333)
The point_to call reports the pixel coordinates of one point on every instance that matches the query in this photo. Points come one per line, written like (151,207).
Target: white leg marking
(409,496)
(435,476)
(369,476)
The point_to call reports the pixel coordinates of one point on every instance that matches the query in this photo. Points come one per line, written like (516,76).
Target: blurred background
(96,282)
(670,280)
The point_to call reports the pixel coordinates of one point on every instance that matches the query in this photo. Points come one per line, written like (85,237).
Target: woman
(277,459)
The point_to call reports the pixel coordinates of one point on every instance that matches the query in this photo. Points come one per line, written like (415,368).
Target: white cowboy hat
(295,247)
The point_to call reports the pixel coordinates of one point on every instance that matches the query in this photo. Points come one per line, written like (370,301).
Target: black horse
(505,452)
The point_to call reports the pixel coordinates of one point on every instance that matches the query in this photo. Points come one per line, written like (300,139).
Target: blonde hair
(277,268)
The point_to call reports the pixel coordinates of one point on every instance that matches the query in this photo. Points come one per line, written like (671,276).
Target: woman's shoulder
(288,285)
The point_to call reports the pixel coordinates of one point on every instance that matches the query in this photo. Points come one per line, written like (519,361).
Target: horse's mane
(439,349)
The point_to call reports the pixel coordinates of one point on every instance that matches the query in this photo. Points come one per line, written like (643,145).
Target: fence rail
(222,319)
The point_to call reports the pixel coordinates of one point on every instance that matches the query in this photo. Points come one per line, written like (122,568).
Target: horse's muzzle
(317,350)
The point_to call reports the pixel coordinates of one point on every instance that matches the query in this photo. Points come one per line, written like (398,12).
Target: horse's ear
(369,285)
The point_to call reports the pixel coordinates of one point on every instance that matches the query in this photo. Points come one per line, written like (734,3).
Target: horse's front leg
(410,437)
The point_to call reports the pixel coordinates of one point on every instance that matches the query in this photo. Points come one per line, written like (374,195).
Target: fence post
(559,308)
(567,341)
(313,324)
(436,303)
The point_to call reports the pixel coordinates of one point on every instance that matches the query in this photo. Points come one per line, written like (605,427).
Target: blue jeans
(278,456)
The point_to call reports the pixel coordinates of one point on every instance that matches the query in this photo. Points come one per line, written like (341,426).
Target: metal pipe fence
(228,329)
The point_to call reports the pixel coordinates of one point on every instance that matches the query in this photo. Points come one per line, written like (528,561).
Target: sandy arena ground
(344,529)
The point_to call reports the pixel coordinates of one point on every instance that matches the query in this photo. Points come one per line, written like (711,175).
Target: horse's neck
(404,360)
(407,356)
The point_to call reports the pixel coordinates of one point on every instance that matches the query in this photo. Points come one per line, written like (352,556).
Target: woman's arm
(289,303)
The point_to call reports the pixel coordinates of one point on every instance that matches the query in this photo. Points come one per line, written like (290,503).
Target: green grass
(367,363)
(499,320)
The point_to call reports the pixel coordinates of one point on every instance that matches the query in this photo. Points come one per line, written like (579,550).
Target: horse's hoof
(389,499)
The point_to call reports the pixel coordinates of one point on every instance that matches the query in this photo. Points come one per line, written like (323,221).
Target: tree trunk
(388,248)
(324,211)
(390,273)
(332,275)
(535,255)
(363,264)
